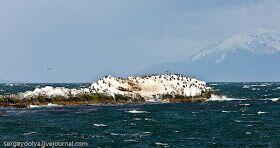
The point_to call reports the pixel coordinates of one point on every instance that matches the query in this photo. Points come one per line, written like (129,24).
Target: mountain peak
(257,40)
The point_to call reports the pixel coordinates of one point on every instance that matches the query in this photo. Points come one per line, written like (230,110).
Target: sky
(85,40)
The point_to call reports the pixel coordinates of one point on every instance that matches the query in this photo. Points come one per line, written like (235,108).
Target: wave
(244,104)
(255,89)
(100,125)
(131,140)
(246,86)
(137,112)
(222,98)
(257,85)
(261,112)
(242,121)
(30,133)
(161,144)
(226,111)
(48,105)
(274,99)
(214,84)
(34,106)
(53,105)
(271,99)
(225,98)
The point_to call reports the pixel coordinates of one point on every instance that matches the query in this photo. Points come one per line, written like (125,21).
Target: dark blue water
(251,118)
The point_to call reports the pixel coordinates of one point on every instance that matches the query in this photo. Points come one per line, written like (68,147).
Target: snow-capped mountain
(246,56)
(257,41)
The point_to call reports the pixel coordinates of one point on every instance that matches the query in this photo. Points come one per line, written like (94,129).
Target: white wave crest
(100,125)
(222,98)
(48,105)
(137,112)
(244,104)
(53,105)
(131,140)
(162,144)
(274,99)
(30,133)
(34,106)
(261,112)
(271,99)
(226,111)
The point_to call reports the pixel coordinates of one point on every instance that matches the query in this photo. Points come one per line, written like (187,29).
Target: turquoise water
(250,118)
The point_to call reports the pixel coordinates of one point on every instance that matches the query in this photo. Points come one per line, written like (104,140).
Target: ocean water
(247,115)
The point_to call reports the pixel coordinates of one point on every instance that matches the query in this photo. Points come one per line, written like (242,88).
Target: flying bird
(49,69)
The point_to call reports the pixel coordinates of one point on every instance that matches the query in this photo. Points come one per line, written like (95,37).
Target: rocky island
(116,90)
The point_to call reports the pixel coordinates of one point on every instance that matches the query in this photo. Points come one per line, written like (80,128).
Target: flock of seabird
(145,86)
(110,84)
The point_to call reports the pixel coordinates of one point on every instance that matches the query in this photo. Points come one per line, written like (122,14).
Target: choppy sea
(247,115)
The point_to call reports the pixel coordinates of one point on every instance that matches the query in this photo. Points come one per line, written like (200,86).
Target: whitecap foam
(30,133)
(35,106)
(238,121)
(222,98)
(244,104)
(255,89)
(270,99)
(114,134)
(53,105)
(246,86)
(274,99)
(248,133)
(247,114)
(48,105)
(214,84)
(100,125)
(162,144)
(137,112)
(225,111)
(130,140)
(148,119)
(261,112)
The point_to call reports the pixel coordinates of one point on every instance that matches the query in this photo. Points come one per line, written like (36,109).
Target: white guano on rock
(154,86)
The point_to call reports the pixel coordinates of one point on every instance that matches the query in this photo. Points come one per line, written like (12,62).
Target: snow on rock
(147,87)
